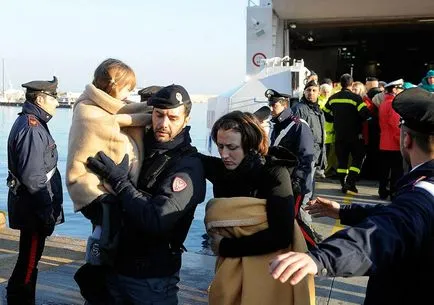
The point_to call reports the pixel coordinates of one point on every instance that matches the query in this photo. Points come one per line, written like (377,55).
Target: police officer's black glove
(115,175)
(297,185)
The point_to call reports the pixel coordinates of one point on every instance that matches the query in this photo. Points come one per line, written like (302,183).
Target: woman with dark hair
(252,228)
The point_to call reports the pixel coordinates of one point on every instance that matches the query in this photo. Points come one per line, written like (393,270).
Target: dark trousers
(390,165)
(126,290)
(22,283)
(343,150)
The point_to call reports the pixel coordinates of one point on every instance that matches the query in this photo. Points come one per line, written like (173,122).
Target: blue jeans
(126,290)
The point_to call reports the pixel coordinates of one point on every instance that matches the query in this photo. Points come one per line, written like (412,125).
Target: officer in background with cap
(158,213)
(391,244)
(35,189)
(292,136)
(148,92)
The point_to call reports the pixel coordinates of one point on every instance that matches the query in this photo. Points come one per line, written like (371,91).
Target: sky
(199,44)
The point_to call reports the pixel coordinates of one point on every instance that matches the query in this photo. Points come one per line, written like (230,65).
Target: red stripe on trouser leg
(297,204)
(307,237)
(32,258)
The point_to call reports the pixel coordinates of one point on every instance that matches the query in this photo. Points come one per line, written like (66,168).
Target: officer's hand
(297,185)
(48,229)
(214,241)
(292,265)
(49,222)
(108,170)
(320,207)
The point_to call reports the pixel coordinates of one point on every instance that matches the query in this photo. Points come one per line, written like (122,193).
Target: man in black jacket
(35,188)
(308,110)
(391,244)
(158,213)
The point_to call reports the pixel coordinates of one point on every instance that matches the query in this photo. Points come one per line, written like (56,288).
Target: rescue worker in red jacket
(390,155)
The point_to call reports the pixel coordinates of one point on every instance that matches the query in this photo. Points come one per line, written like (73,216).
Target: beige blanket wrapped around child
(102,123)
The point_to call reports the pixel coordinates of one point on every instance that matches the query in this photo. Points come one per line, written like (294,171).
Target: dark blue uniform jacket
(299,141)
(393,245)
(32,154)
(157,219)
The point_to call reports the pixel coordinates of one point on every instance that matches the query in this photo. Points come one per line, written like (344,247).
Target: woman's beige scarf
(101,122)
(246,280)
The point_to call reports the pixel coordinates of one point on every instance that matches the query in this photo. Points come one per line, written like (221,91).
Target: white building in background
(330,37)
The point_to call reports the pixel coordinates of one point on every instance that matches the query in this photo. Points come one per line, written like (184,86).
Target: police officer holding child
(391,244)
(35,188)
(158,213)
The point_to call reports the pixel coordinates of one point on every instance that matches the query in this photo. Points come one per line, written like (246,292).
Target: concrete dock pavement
(63,256)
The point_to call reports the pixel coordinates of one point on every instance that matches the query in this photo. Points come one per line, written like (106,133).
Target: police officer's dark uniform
(392,244)
(292,135)
(35,189)
(347,111)
(297,139)
(158,214)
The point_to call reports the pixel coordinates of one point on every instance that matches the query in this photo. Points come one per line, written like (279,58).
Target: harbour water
(76,225)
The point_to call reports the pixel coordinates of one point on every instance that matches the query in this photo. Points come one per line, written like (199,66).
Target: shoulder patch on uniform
(178,184)
(33,121)
(295,119)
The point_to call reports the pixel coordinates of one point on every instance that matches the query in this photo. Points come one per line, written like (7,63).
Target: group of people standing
(368,132)
(132,171)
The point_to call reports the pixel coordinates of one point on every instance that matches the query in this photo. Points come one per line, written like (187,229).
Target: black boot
(383,193)
(342,181)
(350,183)
(20,295)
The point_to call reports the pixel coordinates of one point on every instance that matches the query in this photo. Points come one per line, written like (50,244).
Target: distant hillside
(200,98)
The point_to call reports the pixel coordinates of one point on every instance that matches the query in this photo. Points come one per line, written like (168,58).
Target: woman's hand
(320,207)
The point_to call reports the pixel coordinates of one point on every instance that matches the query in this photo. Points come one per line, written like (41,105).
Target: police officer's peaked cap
(311,83)
(416,108)
(273,96)
(170,97)
(395,83)
(148,92)
(42,85)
